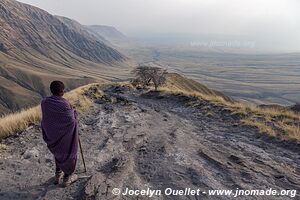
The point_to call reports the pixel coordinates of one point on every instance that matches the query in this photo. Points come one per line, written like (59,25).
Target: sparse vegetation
(280,123)
(262,126)
(3,150)
(283,124)
(17,122)
(292,131)
(145,75)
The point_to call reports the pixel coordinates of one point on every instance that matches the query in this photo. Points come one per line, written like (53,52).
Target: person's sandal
(68,180)
(58,177)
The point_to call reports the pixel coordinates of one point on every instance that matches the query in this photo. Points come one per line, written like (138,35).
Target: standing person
(60,132)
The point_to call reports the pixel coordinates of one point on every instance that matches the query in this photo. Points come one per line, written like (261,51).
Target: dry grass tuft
(3,150)
(283,124)
(292,131)
(79,98)
(261,126)
(17,122)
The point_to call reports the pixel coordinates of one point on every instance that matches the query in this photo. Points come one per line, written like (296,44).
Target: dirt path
(153,141)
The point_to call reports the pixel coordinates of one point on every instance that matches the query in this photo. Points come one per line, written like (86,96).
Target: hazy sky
(275,22)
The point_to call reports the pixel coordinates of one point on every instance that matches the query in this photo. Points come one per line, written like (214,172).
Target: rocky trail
(155,141)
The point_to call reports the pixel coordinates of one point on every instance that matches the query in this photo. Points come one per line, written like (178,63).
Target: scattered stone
(157,110)
(99,101)
(18,172)
(279,176)
(31,153)
(143,110)
(236,160)
(112,166)
(3,48)
(96,186)
(108,107)
(235,124)
(30,126)
(140,133)
(91,121)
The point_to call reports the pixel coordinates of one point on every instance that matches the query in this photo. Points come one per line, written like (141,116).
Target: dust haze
(269,24)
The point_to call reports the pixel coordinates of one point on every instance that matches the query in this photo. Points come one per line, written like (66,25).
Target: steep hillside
(26,29)
(37,47)
(84,30)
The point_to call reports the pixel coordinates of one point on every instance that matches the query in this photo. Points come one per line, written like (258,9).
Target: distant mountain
(74,25)
(37,47)
(108,32)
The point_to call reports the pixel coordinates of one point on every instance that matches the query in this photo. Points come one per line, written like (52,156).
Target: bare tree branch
(145,75)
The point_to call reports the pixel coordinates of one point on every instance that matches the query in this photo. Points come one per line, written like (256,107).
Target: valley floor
(152,141)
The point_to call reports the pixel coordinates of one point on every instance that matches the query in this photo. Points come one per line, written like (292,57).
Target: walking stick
(79,140)
(82,155)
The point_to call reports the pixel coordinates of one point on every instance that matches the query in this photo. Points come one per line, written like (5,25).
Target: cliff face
(37,47)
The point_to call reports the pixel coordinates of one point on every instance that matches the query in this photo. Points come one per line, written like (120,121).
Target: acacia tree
(145,75)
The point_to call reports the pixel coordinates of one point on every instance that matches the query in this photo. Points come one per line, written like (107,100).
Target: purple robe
(60,131)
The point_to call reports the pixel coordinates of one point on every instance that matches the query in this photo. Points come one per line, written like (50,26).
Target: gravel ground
(154,141)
